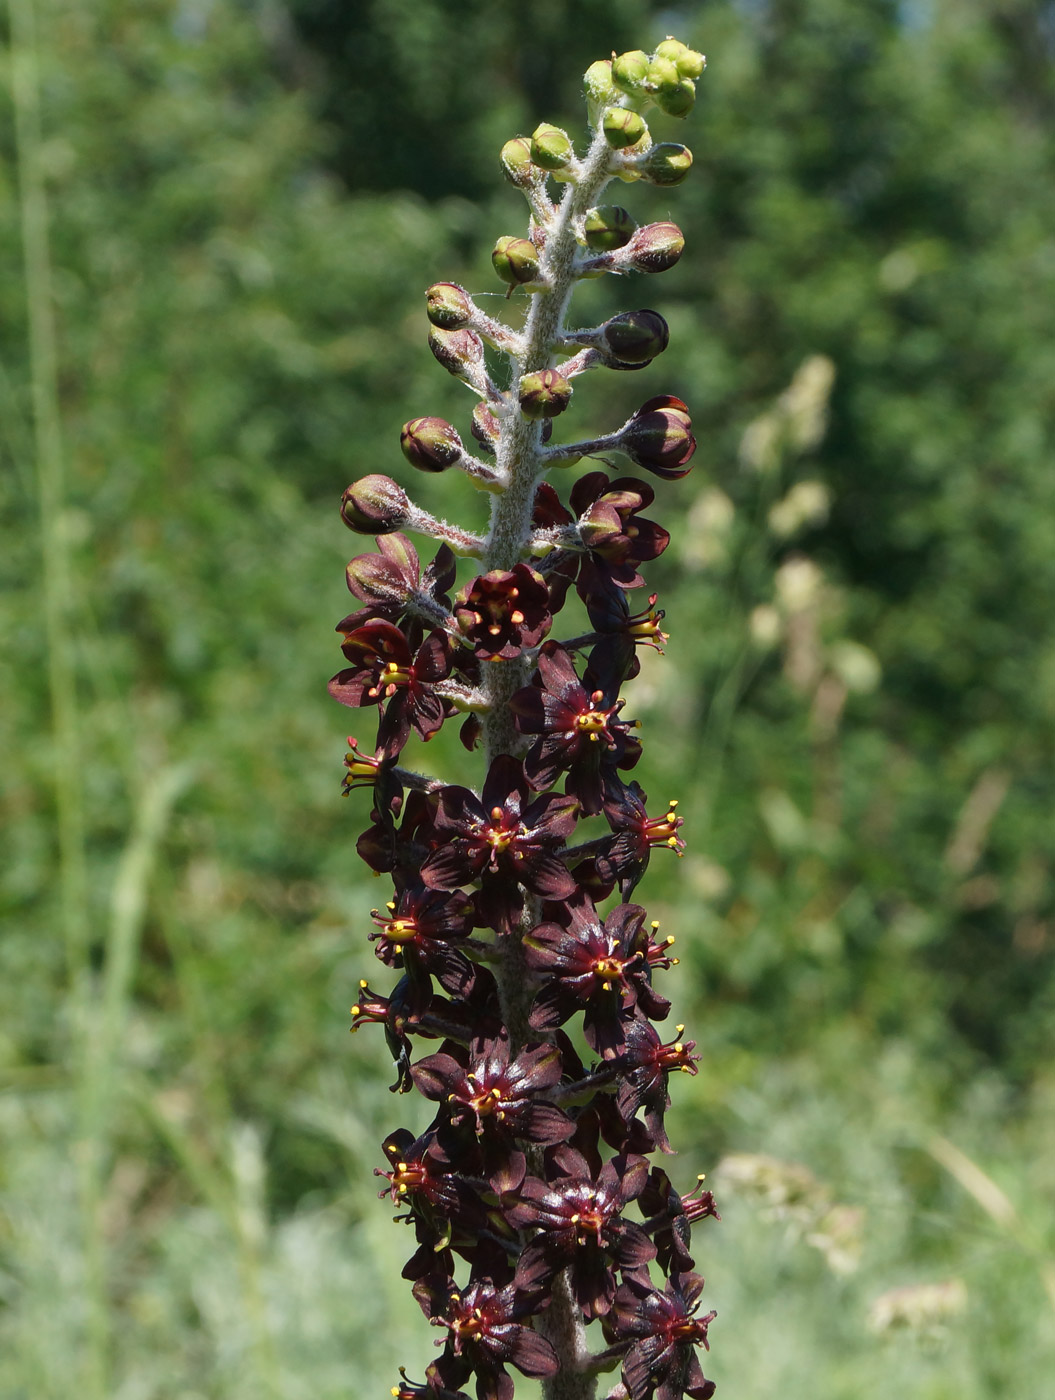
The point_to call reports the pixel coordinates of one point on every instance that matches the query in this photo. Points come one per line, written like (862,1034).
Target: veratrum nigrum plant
(540,1220)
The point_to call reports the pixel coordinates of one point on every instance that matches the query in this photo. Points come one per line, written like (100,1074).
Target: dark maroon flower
(612,530)
(659,437)
(578,1213)
(599,968)
(670,1217)
(578,730)
(392,586)
(662,1360)
(482,1326)
(646,1064)
(400,836)
(609,611)
(636,834)
(423,925)
(432,1388)
(385,672)
(498,1096)
(400,1014)
(504,611)
(504,841)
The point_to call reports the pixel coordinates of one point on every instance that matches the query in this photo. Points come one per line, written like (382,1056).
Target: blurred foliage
(246,201)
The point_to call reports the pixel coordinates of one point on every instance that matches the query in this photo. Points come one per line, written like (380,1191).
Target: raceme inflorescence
(541,1220)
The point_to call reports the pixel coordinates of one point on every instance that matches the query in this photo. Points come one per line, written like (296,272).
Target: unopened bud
(680,101)
(623,128)
(515,260)
(447,305)
(607,228)
(551,148)
(456,351)
(666,164)
(659,437)
(690,64)
(517,165)
(597,82)
(636,336)
(629,70)
(656,247)
(544,394)
(485,427)
(376,505)
(663,75)
(430,444)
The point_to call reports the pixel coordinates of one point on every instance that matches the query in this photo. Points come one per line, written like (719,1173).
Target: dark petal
(551,1008)
(533,1355)
(593,1283)
(633,1249)
(448,867)
(550,878)
(433,660)
(550,817)
(373,579)
(538,1067)
(348,688)
(544,1123)
(504,778)
(637,1366)
(536,1266)
(435,1076)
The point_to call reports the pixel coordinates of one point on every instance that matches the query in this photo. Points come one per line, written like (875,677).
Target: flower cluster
(539,1216)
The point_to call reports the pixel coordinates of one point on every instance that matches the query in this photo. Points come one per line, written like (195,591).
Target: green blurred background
(218,218)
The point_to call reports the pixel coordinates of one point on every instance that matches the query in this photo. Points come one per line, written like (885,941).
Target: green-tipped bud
(456,351)
(376,505)
(607,228)
(597,82)
(680,101)
(666,164)
(448,306)
(672,49)
(485,427)
(517,165)
(623,128)
(430,444)
(515,260)
(630,70)
(689,63)
(544,394)
(635,337)
(551,148)
(655,248)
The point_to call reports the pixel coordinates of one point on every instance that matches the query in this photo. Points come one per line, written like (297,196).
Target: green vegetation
(218,222)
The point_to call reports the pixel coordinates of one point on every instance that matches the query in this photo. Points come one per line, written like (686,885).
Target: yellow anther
(496,1093)
(679,1030)
(576,1218)
(679,1048)
(402,1188)
(362,982)
(655,925)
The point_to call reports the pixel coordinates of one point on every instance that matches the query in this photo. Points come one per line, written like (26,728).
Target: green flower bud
(456,350)
(600,90)
(551,148)
(680,101)
(629,70)
(672,49)
(655,248)
(663,76)
(636,336)
(515,260)
(623,128)
(430,444)
(516,161)
(666,164)
(447,305)
(376,505)
(608,227)
(544,394)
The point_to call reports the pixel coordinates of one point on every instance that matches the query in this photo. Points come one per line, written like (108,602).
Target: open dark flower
(484,1331)
(579,730)
(431,1388)
(502,612)
(636,834)
(393,587)
(661,1360)
(425,925)
(646,1063)
(384,672)
(578,1213)
(600,968)
(617,537)
(670,1217)
(503,840)
(495,1094)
